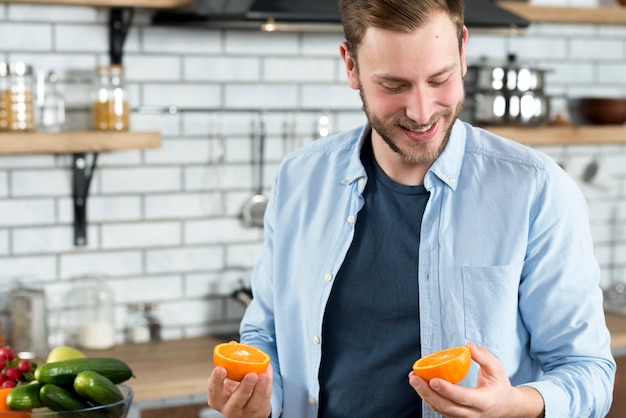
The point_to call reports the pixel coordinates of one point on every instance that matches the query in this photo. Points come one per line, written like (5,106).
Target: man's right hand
(249,398)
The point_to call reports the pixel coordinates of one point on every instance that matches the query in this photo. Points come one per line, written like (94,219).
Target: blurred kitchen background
(163,225)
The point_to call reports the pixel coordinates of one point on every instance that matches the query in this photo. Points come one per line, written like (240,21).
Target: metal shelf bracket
(81,181)
(120,20)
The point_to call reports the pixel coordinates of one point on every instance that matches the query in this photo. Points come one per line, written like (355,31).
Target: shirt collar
(447,168)
(356,169)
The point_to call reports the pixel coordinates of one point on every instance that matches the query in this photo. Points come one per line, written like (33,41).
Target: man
(416,233)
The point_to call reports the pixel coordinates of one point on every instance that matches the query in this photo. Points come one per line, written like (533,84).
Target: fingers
(248,398)
(490,366)
(217,393)
(252,395)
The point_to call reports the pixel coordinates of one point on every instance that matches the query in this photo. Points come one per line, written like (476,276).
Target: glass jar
(110,110)
(16,97)
(96,330)
(4,98)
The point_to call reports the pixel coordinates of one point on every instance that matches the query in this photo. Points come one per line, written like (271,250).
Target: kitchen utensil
(509,93)
(290,137)
(602,110)
(563,160)
(29,332)
(254,208)
(215,176)
(497,108)
(595,174)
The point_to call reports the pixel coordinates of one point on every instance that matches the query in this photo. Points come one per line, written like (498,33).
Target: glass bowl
(115,410)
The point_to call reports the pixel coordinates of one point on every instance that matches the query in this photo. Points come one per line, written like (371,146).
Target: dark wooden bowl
(603,110)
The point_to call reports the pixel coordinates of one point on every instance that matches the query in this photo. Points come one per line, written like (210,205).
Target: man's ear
(350,63)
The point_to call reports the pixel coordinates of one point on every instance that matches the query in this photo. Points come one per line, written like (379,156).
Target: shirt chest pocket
(490,304)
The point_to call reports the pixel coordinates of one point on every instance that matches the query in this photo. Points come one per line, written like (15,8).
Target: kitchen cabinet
(110,3)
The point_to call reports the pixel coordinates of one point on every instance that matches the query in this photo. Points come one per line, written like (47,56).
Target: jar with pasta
(16,97)
(110,111)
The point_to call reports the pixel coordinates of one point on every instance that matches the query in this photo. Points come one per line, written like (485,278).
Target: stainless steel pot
(510,93)
(510,109)
(510,76)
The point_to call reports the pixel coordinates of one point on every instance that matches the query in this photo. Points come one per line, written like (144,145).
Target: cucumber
(25,397)
(96,388)
(64,372)
(58,399)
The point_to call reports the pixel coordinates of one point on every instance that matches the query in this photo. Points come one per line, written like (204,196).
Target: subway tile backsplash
(163,225)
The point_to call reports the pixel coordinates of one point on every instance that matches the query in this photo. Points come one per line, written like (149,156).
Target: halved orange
(240,359)
(451,364)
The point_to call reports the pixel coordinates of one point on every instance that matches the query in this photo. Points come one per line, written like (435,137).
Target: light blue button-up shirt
(506,261)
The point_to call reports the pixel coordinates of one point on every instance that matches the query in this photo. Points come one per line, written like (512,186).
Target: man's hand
(249,398)
(493,396)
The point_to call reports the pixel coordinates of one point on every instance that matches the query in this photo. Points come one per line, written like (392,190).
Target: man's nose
(420,106)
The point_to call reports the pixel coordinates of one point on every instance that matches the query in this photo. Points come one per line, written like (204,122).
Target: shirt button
(361,181)
(311,401)
(316,340)
(351,219)
(349,178)
(452,180)
(328,277)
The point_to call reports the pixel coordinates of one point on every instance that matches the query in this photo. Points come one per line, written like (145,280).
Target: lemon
(63,352)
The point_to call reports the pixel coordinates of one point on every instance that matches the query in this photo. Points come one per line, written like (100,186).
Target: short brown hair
(396,15)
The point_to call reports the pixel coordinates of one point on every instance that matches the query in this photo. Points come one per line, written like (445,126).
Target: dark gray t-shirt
(371,332)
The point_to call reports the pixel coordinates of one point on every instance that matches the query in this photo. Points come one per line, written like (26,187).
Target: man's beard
(421,155)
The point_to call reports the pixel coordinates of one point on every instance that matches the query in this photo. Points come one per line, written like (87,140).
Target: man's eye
(438,83)
(392,88)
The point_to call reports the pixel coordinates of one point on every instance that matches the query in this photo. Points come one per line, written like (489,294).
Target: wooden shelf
(76,142)
(154,4)
(552,14)
(563,135)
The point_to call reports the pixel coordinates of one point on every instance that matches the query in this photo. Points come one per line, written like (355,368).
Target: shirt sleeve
(257,326)
(561,304)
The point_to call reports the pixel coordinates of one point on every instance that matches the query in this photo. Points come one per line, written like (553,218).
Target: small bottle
(51,106)
(153,322)
(110,111)
(137,327)
(142,326)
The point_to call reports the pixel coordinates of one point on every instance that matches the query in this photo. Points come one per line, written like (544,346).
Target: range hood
(305,15)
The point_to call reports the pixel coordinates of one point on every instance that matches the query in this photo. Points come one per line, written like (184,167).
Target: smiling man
(416,233)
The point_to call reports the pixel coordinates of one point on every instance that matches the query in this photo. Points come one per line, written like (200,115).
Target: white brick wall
(163,225)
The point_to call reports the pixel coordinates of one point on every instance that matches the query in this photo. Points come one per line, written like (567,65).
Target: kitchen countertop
(180,368)
(168,369)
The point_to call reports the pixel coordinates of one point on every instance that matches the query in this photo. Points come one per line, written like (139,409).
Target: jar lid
(110,69)
(20,68)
